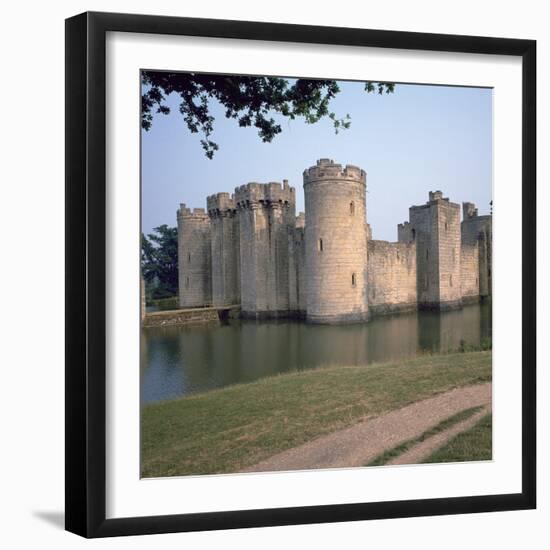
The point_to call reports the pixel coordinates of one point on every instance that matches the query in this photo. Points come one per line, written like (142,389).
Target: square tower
(435,227)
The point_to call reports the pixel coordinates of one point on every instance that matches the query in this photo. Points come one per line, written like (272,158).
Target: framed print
(300,274)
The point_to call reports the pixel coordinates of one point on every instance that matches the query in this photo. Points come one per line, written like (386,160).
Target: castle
(250,249)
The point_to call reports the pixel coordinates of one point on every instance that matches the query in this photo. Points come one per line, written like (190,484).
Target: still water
(177,361)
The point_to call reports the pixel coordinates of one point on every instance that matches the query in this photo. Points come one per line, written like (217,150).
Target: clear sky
(416,140)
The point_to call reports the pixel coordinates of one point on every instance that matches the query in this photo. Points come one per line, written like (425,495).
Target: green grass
(171,302)
(398,450)
(229,429)
(485,344)
(473,444)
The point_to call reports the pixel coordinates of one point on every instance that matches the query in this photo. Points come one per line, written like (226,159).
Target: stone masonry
(194,257)
(391,277)
(266,219)
(250,249)
(477,232)
(336,242)
(435,228)
(225,249)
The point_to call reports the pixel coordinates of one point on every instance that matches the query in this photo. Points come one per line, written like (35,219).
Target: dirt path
(359,444)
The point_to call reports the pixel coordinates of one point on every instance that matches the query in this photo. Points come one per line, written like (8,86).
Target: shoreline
(229,429)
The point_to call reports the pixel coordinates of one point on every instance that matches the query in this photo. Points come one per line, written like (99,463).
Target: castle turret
(336,242)
(404,233)
(266,217)
(477,232)
(469,210)
(225,249)
(435,226)
(194,257)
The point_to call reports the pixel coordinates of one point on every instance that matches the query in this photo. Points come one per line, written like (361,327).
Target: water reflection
(179,361)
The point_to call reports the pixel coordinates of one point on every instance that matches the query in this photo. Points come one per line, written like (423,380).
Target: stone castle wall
(251,250)
(485,261)
(469,272)
(391,276)
(297,268)
(478,229)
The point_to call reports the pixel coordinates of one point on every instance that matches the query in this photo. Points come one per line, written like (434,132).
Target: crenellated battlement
(469,210)
(198,214)
(264,193)
(435,198)
(405,232)
(250,248)
(220,203)
(327,169)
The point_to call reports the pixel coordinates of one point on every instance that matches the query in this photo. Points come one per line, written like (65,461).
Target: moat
(179,361)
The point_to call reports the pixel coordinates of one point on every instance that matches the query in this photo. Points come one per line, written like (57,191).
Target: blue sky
(416,140)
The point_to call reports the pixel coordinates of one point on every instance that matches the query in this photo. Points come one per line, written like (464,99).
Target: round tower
(336,243)
(194,257)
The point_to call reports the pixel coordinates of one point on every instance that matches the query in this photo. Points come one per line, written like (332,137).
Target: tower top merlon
(327,169)
(469,210)
(266,193)
(198,214)
(220,202)
(436,196)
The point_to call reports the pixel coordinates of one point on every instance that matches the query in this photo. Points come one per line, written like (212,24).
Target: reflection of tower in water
(178,361)
(447,331)
(393,337)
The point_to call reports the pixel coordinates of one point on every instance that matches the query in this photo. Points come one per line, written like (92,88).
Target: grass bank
(473,444)
(229,429)
(398,450)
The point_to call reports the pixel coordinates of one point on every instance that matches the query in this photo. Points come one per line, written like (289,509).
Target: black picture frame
(86,268)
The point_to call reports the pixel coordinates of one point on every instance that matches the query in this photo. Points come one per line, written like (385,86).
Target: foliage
(250,100)
(159,262)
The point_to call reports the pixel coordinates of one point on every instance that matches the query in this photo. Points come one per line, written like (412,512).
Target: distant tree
(159,262)
(250,100)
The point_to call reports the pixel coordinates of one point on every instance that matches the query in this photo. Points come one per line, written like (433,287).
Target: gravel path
(359,444)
